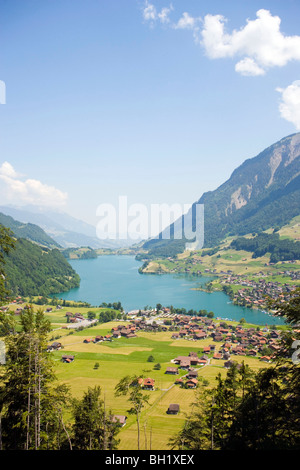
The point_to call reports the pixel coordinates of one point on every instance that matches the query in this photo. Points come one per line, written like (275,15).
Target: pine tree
(27,381)
(93,427)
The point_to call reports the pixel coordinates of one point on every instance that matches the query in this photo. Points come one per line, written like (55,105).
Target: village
(257,291)
(227,341)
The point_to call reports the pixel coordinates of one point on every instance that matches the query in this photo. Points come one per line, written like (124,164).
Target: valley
(103,353)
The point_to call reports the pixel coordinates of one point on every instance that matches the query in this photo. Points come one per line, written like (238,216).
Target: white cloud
(289,106)
(151,14)
(187,22)
(259,45)
(30,191)
(6,169)
(260,41)
(164,14)
(249,68)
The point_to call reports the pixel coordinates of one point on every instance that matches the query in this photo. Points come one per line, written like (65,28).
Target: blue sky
(159,101)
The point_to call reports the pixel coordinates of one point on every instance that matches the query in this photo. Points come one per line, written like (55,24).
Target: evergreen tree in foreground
(31,408)
(93,427)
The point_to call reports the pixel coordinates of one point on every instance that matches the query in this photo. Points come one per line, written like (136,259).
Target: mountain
(261,193)
(28,231)
(66,230)
(33,270)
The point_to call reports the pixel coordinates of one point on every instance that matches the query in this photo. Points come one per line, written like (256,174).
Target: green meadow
(105,363)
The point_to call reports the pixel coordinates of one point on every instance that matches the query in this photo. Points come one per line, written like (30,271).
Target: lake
(116,278)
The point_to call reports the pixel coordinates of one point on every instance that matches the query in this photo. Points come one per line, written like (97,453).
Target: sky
(155,101)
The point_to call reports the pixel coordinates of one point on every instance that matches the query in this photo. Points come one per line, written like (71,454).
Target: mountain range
(64,230)
(261,193)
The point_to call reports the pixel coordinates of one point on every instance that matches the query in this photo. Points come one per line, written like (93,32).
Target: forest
(263,243)
(33,270)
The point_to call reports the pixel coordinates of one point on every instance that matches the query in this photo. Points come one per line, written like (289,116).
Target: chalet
(173,409)
(265,358)
(193,374)
(191,383)
(217,356)
(119,419)
(172,370)
(185,364)
(148,384)
(67,358)
(252,352)
(54,346)
(200,335)
(87,340)
(275,334)
(202,362)
(179,381)
(218,337)
(182,333)
(226,355)
(98,338)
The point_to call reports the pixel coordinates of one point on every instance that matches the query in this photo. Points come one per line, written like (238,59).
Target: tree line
(262,243)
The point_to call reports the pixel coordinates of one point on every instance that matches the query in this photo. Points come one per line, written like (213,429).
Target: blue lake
(116,278)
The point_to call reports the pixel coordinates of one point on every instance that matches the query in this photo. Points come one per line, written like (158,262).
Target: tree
(26,383)
(91,315)
(93,427)
(130,386)
(7,243)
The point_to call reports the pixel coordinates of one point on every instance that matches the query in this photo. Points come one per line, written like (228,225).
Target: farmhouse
(193,374)
(173,409)
(54,346)
(172,370)
(67,358)
(200,335)
(148,384)
(186,361)
(192,383)
(119,419)
(98,338)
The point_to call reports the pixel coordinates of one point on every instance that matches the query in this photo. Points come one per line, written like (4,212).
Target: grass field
(123,357)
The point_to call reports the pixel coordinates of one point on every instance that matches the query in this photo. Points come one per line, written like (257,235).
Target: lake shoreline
(116,278)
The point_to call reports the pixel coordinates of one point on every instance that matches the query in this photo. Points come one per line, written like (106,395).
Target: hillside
(261,193)
(28,231)
(33,270)
(79,253)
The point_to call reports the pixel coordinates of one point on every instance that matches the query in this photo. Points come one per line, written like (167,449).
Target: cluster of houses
(127,331)
(235,339)
(253,293)
(74,317)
